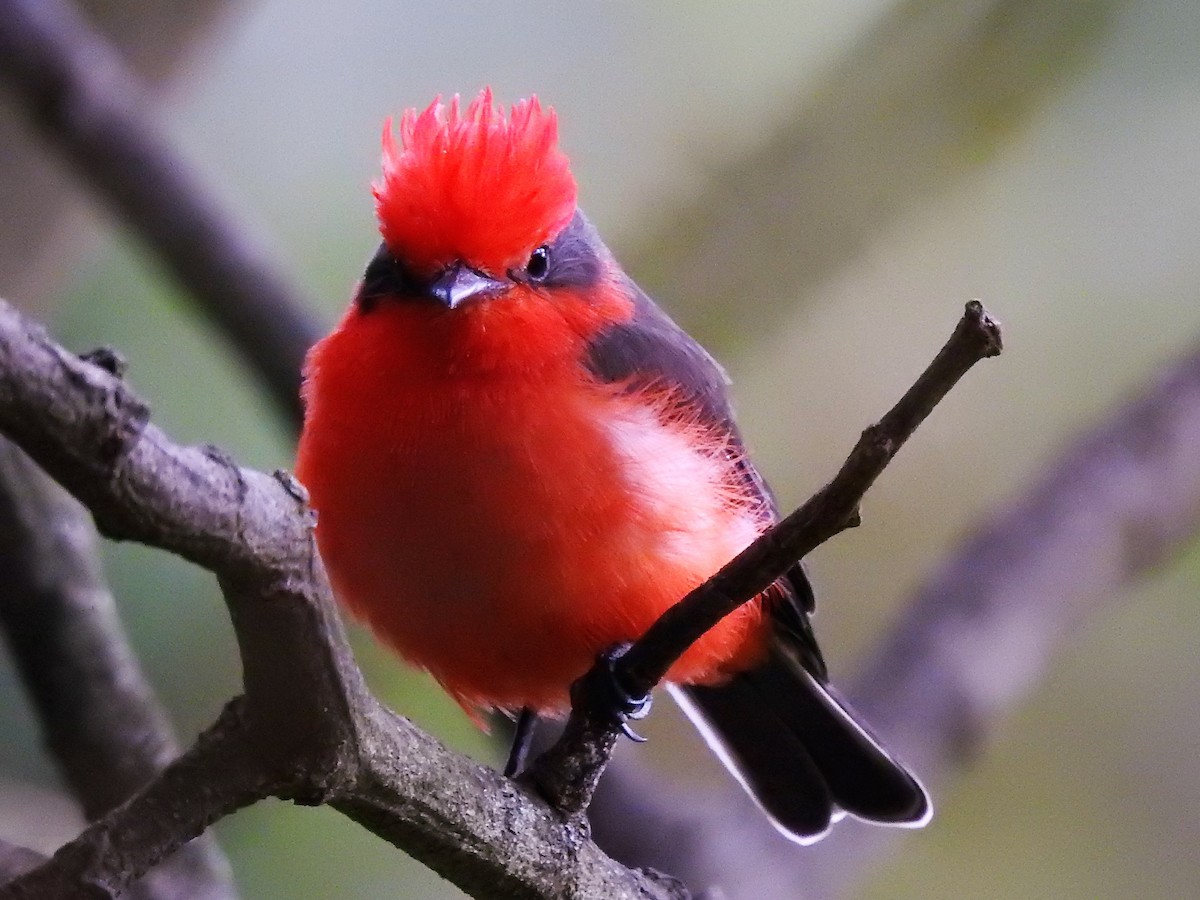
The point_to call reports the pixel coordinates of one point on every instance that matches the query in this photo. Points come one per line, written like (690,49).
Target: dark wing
(799,750)
(651,349)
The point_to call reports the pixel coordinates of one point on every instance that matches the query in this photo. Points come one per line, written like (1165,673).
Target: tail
(800,751)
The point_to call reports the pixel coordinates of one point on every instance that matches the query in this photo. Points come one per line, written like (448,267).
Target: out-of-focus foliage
(1075,221)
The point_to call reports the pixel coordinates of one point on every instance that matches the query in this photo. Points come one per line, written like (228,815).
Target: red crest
(474,185)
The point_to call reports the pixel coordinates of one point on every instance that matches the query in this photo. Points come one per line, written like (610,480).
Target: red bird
(518,462)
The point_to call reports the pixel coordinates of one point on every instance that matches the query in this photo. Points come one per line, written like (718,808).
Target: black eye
(539,264)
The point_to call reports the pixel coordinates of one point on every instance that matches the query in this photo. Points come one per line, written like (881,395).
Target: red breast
(500,516)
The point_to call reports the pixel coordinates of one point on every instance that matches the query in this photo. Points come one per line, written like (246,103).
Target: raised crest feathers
(473,185)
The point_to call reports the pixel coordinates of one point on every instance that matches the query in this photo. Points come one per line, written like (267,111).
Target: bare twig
(569,771)
(977,639)
(101,720)
(79,94)
(972,645)
(307,729)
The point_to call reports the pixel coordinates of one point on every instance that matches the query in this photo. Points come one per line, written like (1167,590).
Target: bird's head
(474,204)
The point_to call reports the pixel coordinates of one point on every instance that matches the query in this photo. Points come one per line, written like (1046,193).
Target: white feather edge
(718,747)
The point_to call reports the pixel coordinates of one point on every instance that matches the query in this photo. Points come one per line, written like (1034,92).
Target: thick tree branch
(16,860)
(307,729)
(101,720)
(217,776)
(512,849)
(78,93)
(570,770)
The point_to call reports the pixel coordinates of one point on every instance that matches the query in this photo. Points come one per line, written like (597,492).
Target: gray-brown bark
(306,728)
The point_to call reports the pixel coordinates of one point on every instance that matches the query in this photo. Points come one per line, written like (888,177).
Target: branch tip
(985,327)
(568,772)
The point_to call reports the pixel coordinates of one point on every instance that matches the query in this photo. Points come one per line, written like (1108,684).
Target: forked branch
(306,728)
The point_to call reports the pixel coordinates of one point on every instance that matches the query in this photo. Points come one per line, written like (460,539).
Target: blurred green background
(1054,171)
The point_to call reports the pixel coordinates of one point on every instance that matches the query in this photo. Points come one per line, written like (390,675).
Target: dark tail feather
(801,752)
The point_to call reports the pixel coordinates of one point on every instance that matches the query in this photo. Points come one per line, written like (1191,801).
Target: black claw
(625,706)
(628,731)
(522,739)
(637,708)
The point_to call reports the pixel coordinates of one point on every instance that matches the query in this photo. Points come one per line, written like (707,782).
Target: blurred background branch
(101,721)
(77,92)
(45,230)
(14,860)
(925,97)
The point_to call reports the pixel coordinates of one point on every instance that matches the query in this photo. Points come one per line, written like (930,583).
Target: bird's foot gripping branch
(503,549)
(306,729)
(568,772)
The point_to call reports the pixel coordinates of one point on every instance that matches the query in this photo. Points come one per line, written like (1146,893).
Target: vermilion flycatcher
(518,461)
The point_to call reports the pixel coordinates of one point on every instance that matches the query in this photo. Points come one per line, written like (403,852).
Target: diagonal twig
(969,648)
(569,771)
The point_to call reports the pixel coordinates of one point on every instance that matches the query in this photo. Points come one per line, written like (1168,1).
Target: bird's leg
(625,707)
(527,721)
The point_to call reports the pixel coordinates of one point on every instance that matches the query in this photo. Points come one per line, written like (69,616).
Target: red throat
(473,185)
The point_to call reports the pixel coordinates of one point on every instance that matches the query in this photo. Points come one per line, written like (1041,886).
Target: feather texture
(514,478)
(473,185)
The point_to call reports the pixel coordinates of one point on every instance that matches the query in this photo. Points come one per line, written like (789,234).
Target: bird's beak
(460,283)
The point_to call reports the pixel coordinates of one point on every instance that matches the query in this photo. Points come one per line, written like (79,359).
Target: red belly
(501,535)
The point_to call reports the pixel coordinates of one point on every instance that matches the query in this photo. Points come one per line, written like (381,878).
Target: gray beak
(460,283)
